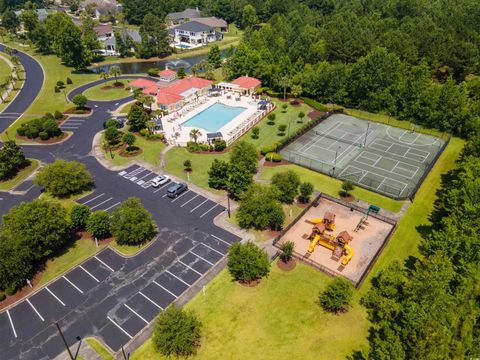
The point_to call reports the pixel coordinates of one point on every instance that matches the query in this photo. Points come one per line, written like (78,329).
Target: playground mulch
(286,266)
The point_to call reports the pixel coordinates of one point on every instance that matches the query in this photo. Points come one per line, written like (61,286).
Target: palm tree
(11,79)
(148,100)
(194,69)
(195,134)
(104,75)
(285,83)
(115,71)
(15,59)
(296,90)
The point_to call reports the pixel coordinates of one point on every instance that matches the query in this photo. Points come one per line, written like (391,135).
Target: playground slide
(316,221)
(313,243)
(349,255)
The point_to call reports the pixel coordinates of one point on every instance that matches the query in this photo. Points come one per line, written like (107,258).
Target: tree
(246,154)
(30,22)
(129,139)
(215,57)
(98,224)
(104,75)
(80,100)
(306,190)
(137,118)
(187,164)
(255,132)
(79,216)
(218,174)
(247,262)
(89,38)
(115,72)
(181,73)
(239,179)
(16,265)
(155,38)
(131,223)
(260,209)
(177,332)
(287,251)
(73,5)
(63,178)
(271,119)
(287,183)
(249,16)
(195,134)
(112,135)
(10,21)
(301,115)
(337,296)
(285,83)
(347,186)
(284,108)
(296,90)
(12,159)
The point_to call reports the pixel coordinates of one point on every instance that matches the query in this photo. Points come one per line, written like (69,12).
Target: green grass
(279,317)
(150,154)
(392,121)
(126,108)
(98,94)
(201,163)
(128,250)
(4,68)
(67,202)
(21,176)
(269,133)
(331,186)
(100,349)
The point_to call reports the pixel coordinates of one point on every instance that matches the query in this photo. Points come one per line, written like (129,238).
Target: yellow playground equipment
(338,245)
(328,219)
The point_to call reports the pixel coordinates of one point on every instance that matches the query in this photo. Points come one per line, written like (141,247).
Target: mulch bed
(273,164)
(286,266)
(250,284)
(348,198)
(40,141)
(117,85)
(211,152)
(314,114)
(73,111)
(123,153)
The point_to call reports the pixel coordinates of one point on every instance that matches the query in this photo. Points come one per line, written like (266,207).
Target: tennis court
(387,160)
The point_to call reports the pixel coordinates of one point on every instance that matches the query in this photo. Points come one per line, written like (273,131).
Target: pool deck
(172,124)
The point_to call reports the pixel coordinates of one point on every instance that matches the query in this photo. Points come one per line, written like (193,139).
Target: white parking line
(153,302)
(181,262)
(205,213)
(209,247)
(55,296)
(102,262)
(175,276)
(111,207)
(185,203)
(185,193)
(36,311)
(71,283)
(156,283)
(216,237)
(149,173)
(86,202)
(133,311)
(93,277)
(164,195)
(118,326)
(160,188)
(11,323)
(201,258)
(196,207)
(103,202)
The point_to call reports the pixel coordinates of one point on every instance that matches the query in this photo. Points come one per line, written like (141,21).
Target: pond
(142,67)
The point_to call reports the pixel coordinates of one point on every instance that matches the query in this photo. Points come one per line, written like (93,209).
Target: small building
(141,84)
(247,85)
(169,102)
(167,75)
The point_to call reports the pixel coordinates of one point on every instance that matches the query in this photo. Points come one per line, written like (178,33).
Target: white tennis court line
(178,197)
(196,207)
(205,213)
(55,296)
(409,142)
(86,202)
(133,311)
(208,262)
(209,247)
(103,202)
(317,139)
(389,171)
(36,311)
(71,283)
(102,262)
(118,326)
(193,198)
(164,288)
(93,277)
(189,267)
(410,150)
(11,324)
(153,302)
(353,173)
(175,276)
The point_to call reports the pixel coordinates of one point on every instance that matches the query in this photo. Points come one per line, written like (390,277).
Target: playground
(338,239)
(385,159)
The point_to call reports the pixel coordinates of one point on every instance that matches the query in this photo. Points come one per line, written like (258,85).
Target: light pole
(335,161)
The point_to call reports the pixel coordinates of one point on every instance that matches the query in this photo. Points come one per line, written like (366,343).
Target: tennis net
(357,142)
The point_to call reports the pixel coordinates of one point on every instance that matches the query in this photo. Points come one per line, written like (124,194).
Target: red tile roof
(151,90)
(142,83)
(187,83)
(167,72)
(247,82)
(168,99)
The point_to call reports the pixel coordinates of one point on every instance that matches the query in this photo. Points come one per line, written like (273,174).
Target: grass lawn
(331,186)
(22,175)
(150,154)
(4,68)
(201,163)
(269,133)
(67,202)
(241,321)
(99,348)
(99,94)
(126,108)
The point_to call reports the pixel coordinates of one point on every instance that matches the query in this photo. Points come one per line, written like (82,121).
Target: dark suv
(175,190)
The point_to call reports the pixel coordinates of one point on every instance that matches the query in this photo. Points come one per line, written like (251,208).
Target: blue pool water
(214,117)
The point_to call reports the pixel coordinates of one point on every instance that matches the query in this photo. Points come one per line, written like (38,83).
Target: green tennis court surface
(387,160)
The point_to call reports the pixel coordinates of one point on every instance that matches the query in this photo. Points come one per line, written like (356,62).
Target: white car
(160,180)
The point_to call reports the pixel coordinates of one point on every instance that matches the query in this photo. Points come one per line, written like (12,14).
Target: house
(103,8)
(41,13)
(193,33)
(106,37)
(219,25)
(244,85)
(182,16)
(167,75)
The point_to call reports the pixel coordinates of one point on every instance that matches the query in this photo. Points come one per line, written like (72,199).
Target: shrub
(247,262)
(347,186)
(153,71)
(21,130)
(50,126)
(58,115)
(10,291)
(57,89)
(144,132)
(274,157)
(255,132)
(271,117)
(129,139)
(112,123)
(269,148)
(219,145)
(2,296)
(80,100)
(79,216)
(43,135)
(218,174)
(98,224)
(69,81)
(282,128)
(49,116)
(284,107)
(187,164)
(337,296)
(60,84)
(314,104)
(287,183)
(177,333)
(287,251)
(306,190)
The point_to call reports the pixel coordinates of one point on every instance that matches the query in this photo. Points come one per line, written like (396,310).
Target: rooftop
(103,29)
(142,83)
(185,14)
(193,26)
(167,72)
(212,21)
(247,82)
(168,99)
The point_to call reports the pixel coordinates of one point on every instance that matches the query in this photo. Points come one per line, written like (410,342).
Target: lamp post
(335,161)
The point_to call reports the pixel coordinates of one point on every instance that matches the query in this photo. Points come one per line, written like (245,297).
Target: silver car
(160,180)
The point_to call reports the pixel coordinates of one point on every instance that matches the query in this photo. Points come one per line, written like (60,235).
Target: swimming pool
(214,117)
